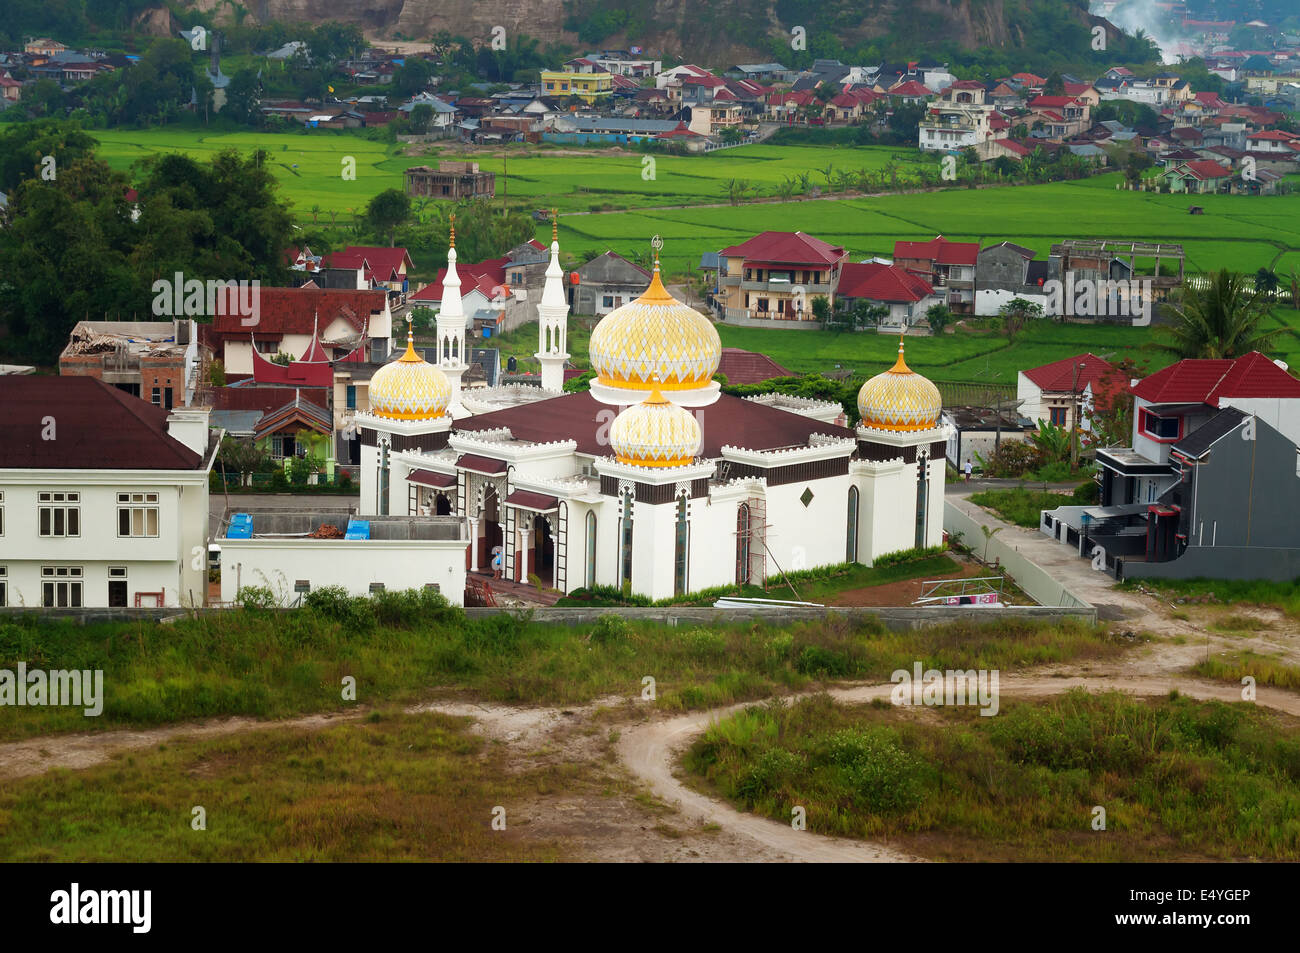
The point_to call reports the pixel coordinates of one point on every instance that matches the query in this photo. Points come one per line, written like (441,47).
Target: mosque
(652,481)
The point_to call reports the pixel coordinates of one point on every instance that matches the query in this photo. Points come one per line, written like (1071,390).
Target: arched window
(922,499)
(591,550)
(742,544)
(680,549)
(851,550)
(625,574)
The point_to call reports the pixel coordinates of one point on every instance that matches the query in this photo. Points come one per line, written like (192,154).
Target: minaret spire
(451,327)
(552,317)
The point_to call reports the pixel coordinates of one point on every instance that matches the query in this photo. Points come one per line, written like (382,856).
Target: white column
(527,536)
(473,544)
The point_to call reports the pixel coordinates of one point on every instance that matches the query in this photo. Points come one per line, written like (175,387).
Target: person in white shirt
(969,468)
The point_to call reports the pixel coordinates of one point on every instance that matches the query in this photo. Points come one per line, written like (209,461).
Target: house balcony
(741,314)
(787,287)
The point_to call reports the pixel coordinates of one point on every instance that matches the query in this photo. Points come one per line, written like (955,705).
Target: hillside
(719,31)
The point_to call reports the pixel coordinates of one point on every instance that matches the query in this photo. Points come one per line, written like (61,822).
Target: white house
(103,497)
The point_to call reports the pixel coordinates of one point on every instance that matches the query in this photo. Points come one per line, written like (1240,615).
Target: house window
(59,514)
(607,301)
(591,550)
(1058,416)
(2,513)
(376,587)
(117,587)
(625,577)
(154,396)
(851,548)
(352,397)
(922,501)
(61,587)
(680,549)
(4,586)
(137,514)
(1163,429)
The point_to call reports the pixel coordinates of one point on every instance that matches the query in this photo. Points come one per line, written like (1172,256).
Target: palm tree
(1266,281)
(988,537)
(1223,319)
(737,189)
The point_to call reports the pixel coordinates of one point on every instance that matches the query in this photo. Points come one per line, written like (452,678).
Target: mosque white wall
(802,537)
(352,564)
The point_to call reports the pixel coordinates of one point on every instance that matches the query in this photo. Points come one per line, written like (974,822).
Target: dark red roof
(1206,381)
(533,501)
(1206,169)
(1058,377)
(877,282)
(939,250)
(1052,102)
(96,427)
(430,478)
(583,419)
(488,466)
(787,248)
(265,399)
(294,311)
(749,367)
(484,275)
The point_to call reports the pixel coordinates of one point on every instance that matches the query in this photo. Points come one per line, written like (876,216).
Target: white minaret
(552,319)
(451,329)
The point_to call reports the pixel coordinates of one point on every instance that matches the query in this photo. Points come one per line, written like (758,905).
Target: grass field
(1178,779)
(268,665)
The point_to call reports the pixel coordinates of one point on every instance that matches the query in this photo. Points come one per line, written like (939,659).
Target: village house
(1063,392)
(156,361)
(113,513)
(451,181)
(904,295)
(775,276)
(1198,493)
(948,267)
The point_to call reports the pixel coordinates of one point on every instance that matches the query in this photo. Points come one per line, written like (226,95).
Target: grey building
(606,282)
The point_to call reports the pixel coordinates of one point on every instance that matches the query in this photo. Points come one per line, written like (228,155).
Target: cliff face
(712,31)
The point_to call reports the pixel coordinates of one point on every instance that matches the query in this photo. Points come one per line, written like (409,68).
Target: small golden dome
(655,433)
(409,388)
(655,338)
(899,399)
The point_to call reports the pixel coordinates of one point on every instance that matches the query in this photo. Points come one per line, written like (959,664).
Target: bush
(1087,494)
(333,602)
(257,597)
(279,481)
(907,556)
(773,768)
(609,629)
(1012,458)
(882,776)
(823,663)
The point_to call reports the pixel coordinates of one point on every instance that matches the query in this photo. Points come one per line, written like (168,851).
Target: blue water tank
(357,529)
(241,527)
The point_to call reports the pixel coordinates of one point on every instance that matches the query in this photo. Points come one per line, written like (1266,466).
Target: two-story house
(959,118)
(776,276)
(949,267)
(103,497)
(1209,485)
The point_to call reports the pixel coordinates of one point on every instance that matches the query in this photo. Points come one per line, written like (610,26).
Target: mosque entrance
(493,536)
(542,559)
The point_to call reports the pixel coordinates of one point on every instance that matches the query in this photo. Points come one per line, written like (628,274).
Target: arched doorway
(742,544)
(542,559)
(442,505)
(490,520)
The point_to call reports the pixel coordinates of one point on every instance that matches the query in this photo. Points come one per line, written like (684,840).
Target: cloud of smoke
(1133,15)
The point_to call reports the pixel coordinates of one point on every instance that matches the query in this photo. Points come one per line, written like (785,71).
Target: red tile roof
(877,282)
(485,276)
(97,427)
(749,367)
(939,250)
(1206,169)
(1059,377)
(1274,135)
(967,84)
(294,311)
(383,261)
(265,399)
(1029,79)
(911,88)
(788,248)
(731,421)
(1206,381)
(1013,146)
(1052,102)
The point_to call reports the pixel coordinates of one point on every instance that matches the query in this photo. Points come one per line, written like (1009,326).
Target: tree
(938,316)
(821,309)
(413,76)
(387,210)
(1052,442)
(243,98)
(422,117)
(988,537)
(1224,319)
(1016,313)
(1266,281)
(868,315)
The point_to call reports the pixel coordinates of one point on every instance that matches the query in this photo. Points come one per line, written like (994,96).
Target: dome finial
(900,365)
(453,230)
(410,354)
(555,224)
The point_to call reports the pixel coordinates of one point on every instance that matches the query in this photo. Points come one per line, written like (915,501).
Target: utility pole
(1074,418)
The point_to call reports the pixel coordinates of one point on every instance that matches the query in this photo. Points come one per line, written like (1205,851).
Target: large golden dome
(655,433)
(409,388)
(655,338)
(899,399)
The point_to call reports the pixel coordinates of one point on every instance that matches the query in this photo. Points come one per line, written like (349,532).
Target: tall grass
(1177,778)
(1284,596)
(276,664)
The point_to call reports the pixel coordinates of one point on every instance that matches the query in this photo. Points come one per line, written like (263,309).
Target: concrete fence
(1036,581)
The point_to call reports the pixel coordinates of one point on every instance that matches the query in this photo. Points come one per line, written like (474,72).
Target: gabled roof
(749,367)
(878,282)
(1052,102)
(488,274)
(1197,443)
(1059,377)
(98,427)
(940,251)
(1207,381)
(794,248)
(911,88)
(383,261)
(295,310)
(1203,169)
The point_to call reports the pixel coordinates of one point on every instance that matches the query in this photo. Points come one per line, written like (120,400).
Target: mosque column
(526,535)
(473,544)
